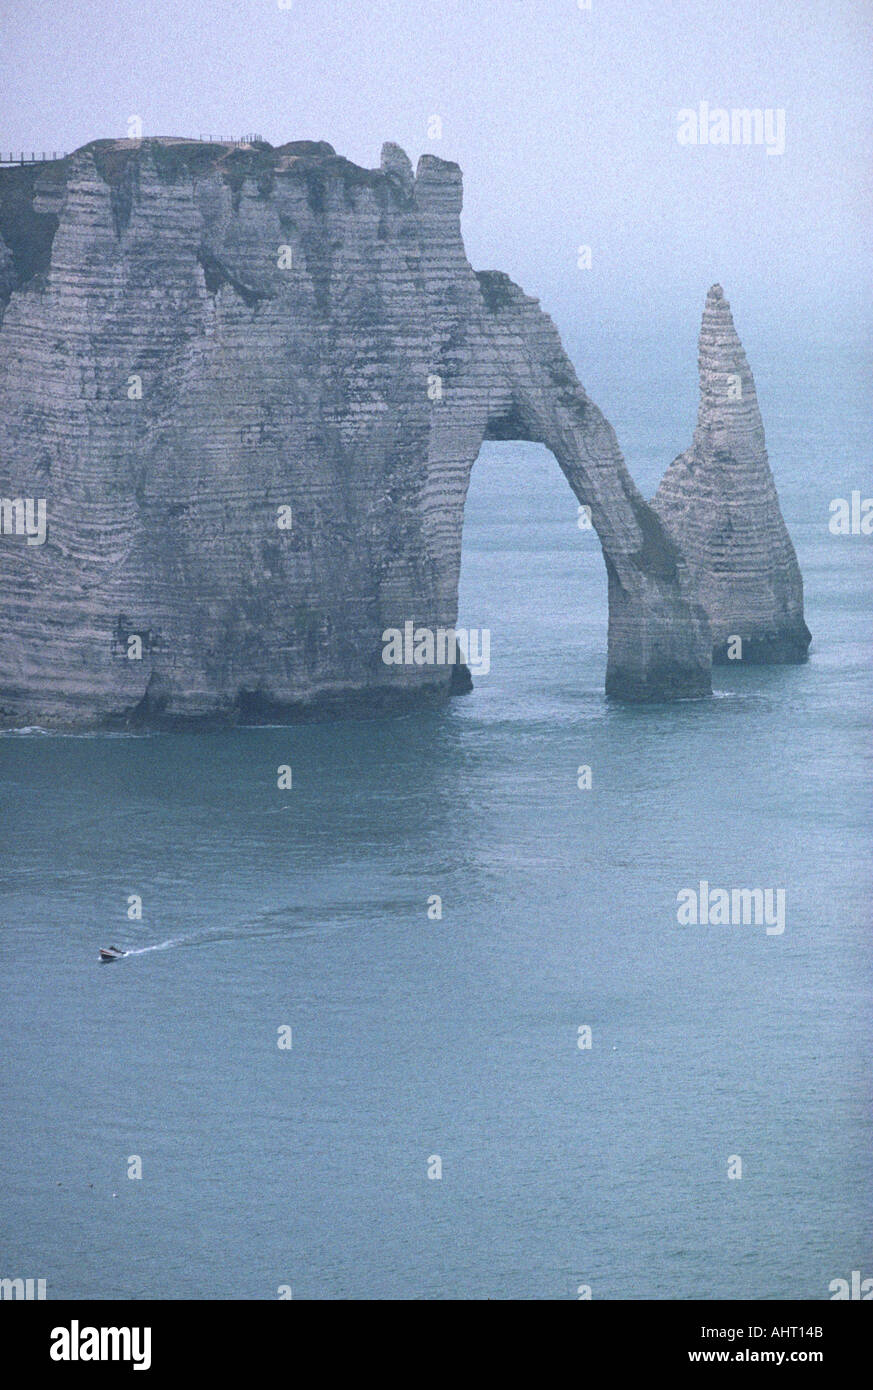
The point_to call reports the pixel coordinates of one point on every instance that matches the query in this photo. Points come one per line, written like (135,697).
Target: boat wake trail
(161,946)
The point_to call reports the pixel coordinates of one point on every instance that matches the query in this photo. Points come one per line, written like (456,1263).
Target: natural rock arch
(516,382)
(307,334)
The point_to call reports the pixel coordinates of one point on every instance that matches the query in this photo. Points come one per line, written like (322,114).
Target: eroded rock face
(195,337)
(719,502)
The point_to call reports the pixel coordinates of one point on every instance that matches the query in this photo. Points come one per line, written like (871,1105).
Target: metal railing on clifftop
(11,160)
(32,158)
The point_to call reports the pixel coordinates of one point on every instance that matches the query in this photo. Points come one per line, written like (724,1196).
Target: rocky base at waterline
(252,708)
(659,682)
(250,384)
(789,647)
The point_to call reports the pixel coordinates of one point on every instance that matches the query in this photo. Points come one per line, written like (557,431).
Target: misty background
(564,123)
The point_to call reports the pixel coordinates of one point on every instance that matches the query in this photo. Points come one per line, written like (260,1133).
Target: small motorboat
(108,953)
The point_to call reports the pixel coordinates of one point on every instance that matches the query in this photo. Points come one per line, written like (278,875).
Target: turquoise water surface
(415,1038)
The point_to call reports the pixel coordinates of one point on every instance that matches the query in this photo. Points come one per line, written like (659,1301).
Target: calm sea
(457,1039)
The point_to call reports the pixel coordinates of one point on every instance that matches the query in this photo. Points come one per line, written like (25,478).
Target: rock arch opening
(531,575)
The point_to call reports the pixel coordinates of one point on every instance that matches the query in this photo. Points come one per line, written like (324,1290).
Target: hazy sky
(563,120)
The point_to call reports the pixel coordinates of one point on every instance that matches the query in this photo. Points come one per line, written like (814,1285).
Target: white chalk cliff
(194,336)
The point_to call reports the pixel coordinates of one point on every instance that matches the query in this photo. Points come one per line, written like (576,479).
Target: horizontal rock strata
(719,502)
(197,338)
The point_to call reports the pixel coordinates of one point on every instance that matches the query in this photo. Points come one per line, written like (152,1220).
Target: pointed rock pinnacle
(719,501)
